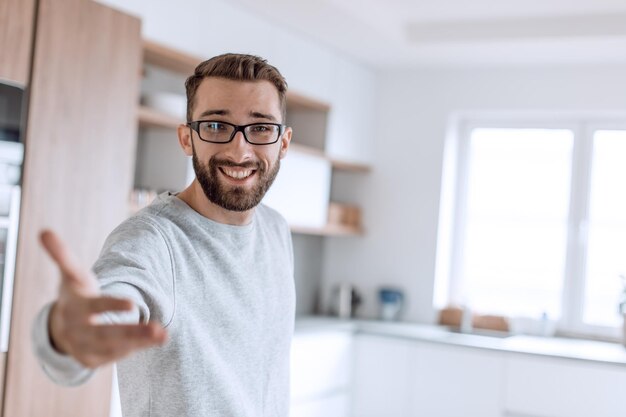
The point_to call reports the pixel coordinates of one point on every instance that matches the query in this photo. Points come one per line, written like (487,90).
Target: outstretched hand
(73,322)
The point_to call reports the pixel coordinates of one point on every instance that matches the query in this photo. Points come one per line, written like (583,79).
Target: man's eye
(261,128)
(214,126)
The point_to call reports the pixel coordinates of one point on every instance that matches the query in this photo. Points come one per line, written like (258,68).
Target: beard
(229,197)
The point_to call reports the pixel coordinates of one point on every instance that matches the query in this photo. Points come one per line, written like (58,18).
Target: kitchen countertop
(586,350)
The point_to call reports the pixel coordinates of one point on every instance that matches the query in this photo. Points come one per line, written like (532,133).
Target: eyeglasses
(223,132)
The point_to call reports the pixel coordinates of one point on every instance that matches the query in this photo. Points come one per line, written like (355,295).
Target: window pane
(606,250)
(516,225)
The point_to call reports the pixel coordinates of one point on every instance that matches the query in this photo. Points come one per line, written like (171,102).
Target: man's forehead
(226,85)
(230,95)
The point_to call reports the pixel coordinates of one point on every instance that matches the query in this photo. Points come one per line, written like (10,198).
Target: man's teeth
(237,174)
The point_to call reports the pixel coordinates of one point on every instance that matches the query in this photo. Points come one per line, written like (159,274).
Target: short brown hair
(238,67)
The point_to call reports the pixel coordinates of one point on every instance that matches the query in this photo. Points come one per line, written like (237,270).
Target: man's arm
(78,341)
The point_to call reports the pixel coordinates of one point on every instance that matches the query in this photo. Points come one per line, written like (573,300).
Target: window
(533,221)
(606,241)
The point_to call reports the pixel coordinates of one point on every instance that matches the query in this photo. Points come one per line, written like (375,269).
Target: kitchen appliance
(11,157)
(391,303)
(345,301)
(11,110)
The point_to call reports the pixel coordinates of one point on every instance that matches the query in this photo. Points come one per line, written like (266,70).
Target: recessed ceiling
(405,33)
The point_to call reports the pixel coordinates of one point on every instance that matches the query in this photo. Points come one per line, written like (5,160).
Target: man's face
(235,175)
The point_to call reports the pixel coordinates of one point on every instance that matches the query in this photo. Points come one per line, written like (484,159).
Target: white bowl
(169,103)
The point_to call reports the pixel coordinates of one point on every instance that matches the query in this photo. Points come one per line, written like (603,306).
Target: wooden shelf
(296,101)
(349,166)
(153,118)
(328,230)
(307,150)
(168,58)
(165,57)
(338,164)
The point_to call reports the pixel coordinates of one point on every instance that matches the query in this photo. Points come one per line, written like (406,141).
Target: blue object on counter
(391,303)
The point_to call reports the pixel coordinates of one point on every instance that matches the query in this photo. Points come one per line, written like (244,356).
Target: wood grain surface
(78,172)
(16,35)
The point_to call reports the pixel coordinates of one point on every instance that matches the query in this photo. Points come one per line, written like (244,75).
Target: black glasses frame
(195,126)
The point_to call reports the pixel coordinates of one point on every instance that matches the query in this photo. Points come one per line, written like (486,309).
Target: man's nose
(238,149)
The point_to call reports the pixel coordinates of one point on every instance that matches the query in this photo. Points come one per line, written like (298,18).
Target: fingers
(103,304)
(108,343)
(72,324)
(71,272)
(131,335)
(59,253)
(75,330)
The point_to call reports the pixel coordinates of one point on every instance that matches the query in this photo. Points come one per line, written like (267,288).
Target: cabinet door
(301,190)
(381,377)
(17,19)
(320,364)
(455,381)
(563,388)
(78,168)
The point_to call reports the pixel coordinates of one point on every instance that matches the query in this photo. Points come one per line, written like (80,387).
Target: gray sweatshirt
(226,296)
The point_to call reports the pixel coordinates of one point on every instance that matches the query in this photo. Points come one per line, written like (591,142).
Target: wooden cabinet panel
(80,151)
(17,19)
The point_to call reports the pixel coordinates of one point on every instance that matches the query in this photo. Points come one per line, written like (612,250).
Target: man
(193,296)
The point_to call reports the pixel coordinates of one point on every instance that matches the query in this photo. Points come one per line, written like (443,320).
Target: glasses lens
(215,131)
(262,133)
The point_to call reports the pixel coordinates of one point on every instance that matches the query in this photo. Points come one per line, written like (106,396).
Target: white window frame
(452,222)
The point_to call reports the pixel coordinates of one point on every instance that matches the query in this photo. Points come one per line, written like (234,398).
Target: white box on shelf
(301,190)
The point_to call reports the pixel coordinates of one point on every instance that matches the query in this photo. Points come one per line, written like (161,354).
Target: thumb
(71,273)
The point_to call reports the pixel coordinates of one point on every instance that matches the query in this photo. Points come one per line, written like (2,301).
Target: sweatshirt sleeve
(60,368)
(135,264)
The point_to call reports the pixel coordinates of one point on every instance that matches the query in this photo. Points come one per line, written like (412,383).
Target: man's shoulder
(270,217)
(149,220)
(159,208)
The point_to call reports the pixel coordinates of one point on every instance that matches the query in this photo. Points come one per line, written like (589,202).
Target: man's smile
(237,174)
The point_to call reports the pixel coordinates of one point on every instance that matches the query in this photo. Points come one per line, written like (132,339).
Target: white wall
(400,197)
(209,27)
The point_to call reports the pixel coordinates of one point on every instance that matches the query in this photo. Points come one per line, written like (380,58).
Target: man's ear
(285,141)
(184,138)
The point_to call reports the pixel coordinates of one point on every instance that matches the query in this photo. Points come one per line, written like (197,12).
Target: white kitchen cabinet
(321,373)
(453,381)
(552,387)
(320,363)
(351,124)
(301,190)
(382,376)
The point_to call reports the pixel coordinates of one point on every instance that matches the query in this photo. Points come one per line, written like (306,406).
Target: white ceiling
(411,33)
